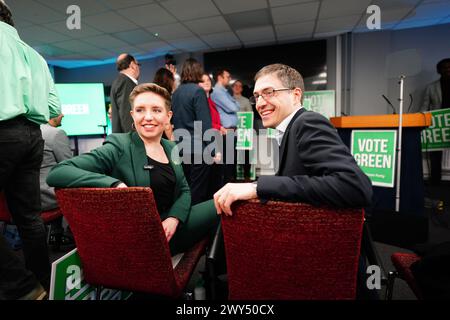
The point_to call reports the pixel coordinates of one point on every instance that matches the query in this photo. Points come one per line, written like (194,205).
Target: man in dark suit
(129,70)
(315,166)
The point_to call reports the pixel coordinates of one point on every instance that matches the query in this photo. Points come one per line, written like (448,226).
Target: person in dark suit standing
(129,71)
(191,113)
(314,166)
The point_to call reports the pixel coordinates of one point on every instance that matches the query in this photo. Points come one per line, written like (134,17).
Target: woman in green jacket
(142,158)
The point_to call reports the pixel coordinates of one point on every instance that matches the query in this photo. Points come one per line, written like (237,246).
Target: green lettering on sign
(67,282)
(244,131)
(374,152)
(322,101)
(437,136)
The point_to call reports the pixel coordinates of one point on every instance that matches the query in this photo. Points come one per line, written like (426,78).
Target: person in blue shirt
(228,108)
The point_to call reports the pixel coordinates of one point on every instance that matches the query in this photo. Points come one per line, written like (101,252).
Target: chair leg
(98,293)
(390,284)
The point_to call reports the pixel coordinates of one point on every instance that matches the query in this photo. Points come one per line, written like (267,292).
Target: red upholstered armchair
(402,263)
(291,251)
(47,216)
(121,241)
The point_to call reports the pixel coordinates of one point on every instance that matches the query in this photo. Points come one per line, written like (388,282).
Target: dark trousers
(229,146)
(198,177)
(21,150)
(436,167)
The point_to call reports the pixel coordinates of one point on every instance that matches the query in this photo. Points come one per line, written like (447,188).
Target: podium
(410,224)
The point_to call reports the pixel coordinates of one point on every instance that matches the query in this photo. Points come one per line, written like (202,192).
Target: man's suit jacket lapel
(282,153)
(139,160)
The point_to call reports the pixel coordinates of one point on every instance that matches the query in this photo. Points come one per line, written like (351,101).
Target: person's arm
(88,170)
(54,104)
(123,105)
(225,102)
(333,177)
(201,109)
(61,147)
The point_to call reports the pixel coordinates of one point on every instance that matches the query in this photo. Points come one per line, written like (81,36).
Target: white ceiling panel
(295,13)
(120,4)
(51,50)
(257,43)
(232,6)
(34,12)
(100,54)
(256,34)
(208,25)
(128,49)
(277,3)
(431,11)
(294,30)
(109,22)
(87,7)
(154,45)
(333,8)
(106,42)
(148,15)
(171,31)
(192,9)
(340,24)
(135,36)
(76,46)
(44,35)
(221,40)
(395,4)
(189,44)
(85,31)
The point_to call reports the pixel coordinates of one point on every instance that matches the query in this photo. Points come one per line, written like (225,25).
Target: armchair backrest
(292,251)
(120,238)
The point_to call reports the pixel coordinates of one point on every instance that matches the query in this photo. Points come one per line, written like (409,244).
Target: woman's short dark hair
(192,71)
(165,79)
(154,88)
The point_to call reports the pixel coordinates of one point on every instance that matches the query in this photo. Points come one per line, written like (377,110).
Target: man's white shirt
(281,128)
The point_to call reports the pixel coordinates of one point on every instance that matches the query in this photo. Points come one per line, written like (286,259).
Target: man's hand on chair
(170,226)
(232,192)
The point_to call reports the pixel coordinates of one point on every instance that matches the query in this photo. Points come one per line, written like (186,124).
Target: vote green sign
(67,282)
(374,151)
(322,101)
(437,136)
(244,131)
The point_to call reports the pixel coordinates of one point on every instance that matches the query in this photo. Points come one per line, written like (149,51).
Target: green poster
(437,136)
(244,131)
(322,101)
(375,153)
(67,282)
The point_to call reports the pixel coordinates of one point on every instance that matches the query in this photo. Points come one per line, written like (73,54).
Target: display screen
(83,107)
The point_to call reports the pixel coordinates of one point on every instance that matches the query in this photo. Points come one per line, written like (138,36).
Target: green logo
(437,136)
(374,151)
(244,131)
(322,101)
(67,282)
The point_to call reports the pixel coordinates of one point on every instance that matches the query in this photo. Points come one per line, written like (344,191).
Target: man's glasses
(266,94)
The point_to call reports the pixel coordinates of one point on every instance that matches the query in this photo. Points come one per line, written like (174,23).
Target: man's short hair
(441,63)
(5,14)
(125,62)
(289,77)
(219,72)
(154,88)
